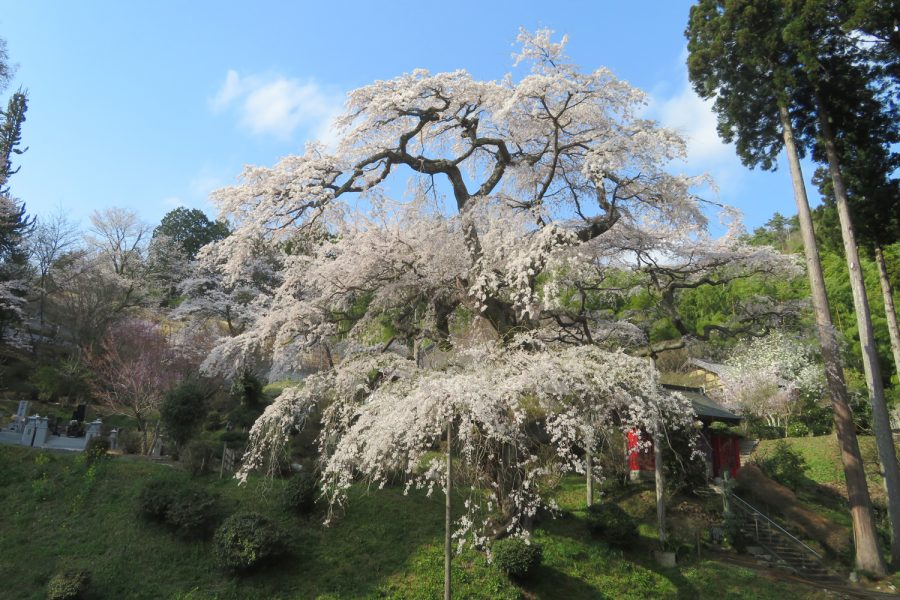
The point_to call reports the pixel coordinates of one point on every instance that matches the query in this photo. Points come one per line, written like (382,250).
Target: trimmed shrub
(185,509)
(612,524)
(233,438)
(300,493)
(246,541)
(214,421)
(68,585)
(155,498)
(192,512)
(798,429)
(96,449)
(516,557)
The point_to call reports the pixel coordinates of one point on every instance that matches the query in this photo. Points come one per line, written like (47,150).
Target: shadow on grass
(551,583)
(686,590)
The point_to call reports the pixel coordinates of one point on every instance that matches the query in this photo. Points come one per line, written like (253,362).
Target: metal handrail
(771,522)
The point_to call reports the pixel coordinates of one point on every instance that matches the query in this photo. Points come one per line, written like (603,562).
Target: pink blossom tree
(134,366)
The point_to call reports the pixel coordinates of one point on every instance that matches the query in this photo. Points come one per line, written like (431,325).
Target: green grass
(58,513)
(823,457)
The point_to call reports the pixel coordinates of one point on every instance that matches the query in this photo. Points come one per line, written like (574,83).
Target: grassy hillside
(58,513)
(823,457)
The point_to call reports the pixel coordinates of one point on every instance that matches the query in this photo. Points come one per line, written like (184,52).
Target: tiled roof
(704,406)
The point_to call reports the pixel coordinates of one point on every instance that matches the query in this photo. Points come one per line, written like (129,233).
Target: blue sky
(152,105)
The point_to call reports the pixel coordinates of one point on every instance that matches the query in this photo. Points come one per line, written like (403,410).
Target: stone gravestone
(157,447)
(21,415)
(29,431)
(43,430)
(114,439)
(93,431)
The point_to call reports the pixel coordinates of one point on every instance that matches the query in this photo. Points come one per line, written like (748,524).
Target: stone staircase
(775,546)
(747,448)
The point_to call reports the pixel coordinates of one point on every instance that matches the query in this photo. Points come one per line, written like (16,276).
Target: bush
(68,585)
(192,512)
(612,524)
(187,510)
(247,540)
(198,457)
(300,493)
(797,429)
(247,389)
(233,438)
(214,421)
(183,410)
(96,449)
(733,533)
(130,441)
(516,557)
(155,498)
(785,465)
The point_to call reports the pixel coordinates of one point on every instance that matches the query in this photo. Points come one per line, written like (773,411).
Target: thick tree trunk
(884,438)
(865,541)
(889,311)
(447,515)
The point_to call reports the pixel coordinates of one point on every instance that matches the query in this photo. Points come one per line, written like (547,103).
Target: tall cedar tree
(848,94)
(738,56)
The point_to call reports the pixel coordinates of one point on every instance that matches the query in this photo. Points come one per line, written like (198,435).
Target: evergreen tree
(845,89)
(191,229)
(739,56)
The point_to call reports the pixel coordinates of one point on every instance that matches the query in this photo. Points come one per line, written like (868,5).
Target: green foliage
(191,229)
(192,512)
(198,457)
(785,465)
(247,389)
(233,438)
(385,547)
(612,524)
(130,441)
(300,493)
(96,449)
(186,509)
(183,410)
(516,557)
(684,473)
(246,541)
(68,585)
(797,429)
(52,383)
(155,498)
(734,535)
(214,421)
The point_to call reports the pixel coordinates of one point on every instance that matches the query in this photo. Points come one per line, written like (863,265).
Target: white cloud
(278,106)
(230,90)
(695,120)
(173,202)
